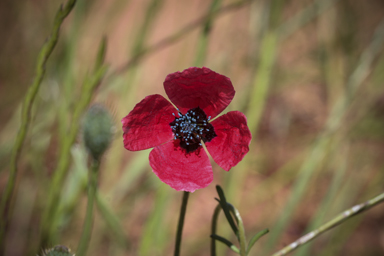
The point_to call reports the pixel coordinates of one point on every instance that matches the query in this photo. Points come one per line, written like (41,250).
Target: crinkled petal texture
(199,87)
(232,141)
(147,125)
(179,170)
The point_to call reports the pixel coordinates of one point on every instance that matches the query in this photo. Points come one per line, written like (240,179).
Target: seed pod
(98,130)
(58,250)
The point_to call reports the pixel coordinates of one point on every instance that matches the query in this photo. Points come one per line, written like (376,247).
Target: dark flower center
(192,128)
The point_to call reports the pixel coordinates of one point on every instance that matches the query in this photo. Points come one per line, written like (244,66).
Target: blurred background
(308,74)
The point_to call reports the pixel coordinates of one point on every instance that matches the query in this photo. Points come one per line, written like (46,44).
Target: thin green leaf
(226,242)
(255,238)
(223,203)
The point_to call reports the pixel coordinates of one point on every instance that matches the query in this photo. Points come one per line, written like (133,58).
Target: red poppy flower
(177,134)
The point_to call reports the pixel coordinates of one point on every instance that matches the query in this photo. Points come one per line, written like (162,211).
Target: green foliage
(308,75)
(232,213)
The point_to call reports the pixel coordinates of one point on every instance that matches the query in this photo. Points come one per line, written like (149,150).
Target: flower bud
(58,250)
(98,130)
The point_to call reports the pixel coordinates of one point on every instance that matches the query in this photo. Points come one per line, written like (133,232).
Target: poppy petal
(181,171)
(199,87)
(232,141)
(147,125)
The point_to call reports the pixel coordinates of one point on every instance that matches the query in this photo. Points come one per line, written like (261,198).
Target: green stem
(49,215)
(181,223)
(29,99)
(241,230)
(215,217)
(88,222)
(342,217)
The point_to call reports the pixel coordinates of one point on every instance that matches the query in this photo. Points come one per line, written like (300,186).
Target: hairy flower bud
(58,250)
(98,130)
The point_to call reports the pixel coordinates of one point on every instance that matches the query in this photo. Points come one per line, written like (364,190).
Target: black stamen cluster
(192,128)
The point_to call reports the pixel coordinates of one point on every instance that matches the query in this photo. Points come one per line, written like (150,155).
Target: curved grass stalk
(241,236)
(215,218)
(342,217)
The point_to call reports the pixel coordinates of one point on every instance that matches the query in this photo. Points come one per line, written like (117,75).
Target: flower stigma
(192,128)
